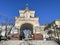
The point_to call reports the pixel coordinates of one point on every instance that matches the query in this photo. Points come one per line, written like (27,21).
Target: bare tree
(5,24)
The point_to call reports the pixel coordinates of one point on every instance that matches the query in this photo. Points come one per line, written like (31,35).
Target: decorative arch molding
(26,26)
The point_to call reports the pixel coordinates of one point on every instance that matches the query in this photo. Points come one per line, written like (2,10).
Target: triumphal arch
(27,20)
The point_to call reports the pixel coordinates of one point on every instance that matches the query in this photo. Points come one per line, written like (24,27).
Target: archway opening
(26,31)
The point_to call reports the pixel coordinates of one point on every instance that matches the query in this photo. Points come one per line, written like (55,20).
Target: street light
(54,26)
(57,28)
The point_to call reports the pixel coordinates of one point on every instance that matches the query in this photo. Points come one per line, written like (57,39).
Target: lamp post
(35,33)
(0,34)
(58,32)
(36,28)
(54,26)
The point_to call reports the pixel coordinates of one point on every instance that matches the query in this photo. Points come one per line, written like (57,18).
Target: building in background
(53,29)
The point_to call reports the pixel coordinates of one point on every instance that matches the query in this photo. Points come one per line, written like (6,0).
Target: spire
(27,7)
